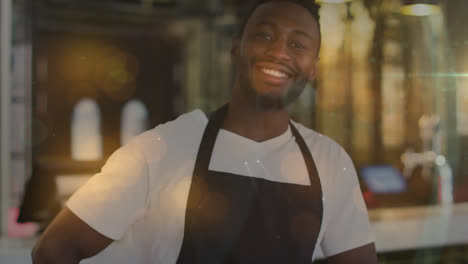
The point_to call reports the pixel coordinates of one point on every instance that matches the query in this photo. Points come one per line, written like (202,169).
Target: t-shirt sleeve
(114,198)
(348,223)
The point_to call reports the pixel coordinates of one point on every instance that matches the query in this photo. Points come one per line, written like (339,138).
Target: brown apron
(239,219)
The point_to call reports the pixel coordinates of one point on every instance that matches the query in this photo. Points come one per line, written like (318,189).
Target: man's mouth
(273,72)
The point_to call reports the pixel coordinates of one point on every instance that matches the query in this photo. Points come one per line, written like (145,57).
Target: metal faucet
(433,163)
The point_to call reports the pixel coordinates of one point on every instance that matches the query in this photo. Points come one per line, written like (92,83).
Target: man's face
(276,55)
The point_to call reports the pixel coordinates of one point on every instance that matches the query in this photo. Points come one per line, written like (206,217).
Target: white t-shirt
(139,197)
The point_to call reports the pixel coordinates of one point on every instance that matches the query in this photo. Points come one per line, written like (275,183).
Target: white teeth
(274,73)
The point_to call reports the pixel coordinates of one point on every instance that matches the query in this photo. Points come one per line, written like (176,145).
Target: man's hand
(68,240)
(362,255)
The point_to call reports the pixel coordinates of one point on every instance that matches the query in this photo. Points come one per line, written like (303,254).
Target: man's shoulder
(184,131)
(187,120)
(184,124)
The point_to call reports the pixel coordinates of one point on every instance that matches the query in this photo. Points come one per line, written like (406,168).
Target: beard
(271,100)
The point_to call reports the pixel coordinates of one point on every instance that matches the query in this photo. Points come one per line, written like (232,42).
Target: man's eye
(265,36)
(297,45)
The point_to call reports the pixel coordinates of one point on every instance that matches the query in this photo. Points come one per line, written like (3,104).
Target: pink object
(19,230)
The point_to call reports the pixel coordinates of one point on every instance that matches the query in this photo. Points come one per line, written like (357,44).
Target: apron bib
(239,219)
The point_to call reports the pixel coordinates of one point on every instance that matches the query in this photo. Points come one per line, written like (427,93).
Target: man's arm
(68,240)
(362,255)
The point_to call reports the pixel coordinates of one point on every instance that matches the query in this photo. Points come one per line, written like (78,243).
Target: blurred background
(80,78)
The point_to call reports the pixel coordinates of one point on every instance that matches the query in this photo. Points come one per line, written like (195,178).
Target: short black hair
(247,11)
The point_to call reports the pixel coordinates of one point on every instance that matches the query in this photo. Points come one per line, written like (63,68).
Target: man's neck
(250,121)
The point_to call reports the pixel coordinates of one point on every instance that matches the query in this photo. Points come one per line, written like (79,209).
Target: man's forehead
(289,12)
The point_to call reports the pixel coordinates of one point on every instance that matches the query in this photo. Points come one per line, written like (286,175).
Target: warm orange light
(420,10)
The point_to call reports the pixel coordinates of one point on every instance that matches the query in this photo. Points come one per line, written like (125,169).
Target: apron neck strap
(211,133)
(309,161)
(209,138)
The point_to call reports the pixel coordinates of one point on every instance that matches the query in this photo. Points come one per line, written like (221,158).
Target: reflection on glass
(86,140)
(420,9)
(134,120)
(393,97)
(379,73)
(333,89)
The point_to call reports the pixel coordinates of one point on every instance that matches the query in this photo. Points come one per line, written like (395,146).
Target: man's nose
(279,49)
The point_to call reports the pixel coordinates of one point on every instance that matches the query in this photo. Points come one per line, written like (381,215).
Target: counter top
(418,227)
(394,229)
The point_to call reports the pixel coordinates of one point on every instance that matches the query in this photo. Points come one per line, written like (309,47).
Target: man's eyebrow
(302,33)
(296,31)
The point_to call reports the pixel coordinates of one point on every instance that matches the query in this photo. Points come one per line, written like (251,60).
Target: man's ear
(313,71)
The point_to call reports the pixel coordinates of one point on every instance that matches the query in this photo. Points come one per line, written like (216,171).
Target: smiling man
(245,185)
(276,54)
